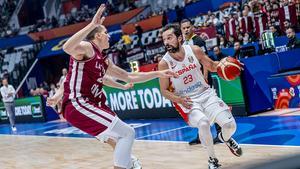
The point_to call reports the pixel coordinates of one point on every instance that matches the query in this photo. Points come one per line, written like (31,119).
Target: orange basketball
(229,68)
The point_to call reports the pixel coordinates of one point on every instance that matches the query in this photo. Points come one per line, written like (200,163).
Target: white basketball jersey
(191,80)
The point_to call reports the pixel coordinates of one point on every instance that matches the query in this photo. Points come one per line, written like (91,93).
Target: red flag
(287,12)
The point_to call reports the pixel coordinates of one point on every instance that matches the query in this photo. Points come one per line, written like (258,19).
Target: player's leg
(217,111)
(123,147)
(199,120)
(218,129)
(227,124)
(123,134)
(216,139)
(96,121)
(135,161)
(226,120)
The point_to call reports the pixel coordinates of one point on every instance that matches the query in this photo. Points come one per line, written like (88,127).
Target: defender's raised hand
(98,18)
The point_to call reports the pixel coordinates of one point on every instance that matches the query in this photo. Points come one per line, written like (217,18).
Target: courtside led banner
(143,101)
(27,110)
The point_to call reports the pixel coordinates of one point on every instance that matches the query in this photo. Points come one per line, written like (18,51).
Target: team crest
(221,104)
(191,59)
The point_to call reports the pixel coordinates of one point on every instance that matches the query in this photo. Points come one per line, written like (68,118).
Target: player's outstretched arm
(165,85)
(204,59)
(139,77)
(75,46)
(108,81)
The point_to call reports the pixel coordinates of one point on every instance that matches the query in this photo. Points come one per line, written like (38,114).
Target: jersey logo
(221,104)
(191,59)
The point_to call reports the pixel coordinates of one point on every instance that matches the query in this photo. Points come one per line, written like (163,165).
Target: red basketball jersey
(84,79)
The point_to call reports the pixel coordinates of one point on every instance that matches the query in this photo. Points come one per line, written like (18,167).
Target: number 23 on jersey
(187,79)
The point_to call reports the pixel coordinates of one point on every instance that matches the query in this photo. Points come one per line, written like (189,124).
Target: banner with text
(27,110)
(143,101)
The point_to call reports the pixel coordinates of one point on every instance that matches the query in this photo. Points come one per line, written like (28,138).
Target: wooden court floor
(39,152)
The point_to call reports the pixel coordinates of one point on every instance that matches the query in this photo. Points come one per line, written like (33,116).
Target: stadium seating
(17,63)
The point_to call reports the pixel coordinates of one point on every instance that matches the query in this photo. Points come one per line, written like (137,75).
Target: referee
(8,98)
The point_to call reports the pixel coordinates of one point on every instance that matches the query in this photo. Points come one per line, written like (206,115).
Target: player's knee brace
(228,129)
(122,154)
(131,133)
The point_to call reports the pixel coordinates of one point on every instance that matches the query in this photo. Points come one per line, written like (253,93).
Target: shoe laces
(233,144)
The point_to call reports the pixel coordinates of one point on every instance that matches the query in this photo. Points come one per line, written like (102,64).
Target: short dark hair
(186,20)
(290,28)
(247,6)
(175,27)
(91,35)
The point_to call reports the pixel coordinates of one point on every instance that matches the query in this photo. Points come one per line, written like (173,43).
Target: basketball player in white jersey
(197,103)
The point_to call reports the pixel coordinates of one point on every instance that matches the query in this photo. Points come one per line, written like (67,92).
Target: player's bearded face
(174,47)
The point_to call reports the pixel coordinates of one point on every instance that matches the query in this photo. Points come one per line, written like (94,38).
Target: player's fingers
(187,106)
(102,20)
(169,73)
(175,75)
(188,98)
(188,102)
(100,10)
(50,103)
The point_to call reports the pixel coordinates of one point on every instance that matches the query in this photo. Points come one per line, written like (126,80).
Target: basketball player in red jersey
(84,102)
(107,81)
(196,102)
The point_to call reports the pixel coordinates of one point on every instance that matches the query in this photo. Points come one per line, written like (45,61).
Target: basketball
(229,68)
